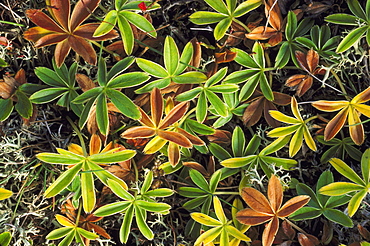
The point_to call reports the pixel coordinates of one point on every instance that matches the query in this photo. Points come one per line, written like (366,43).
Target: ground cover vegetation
(184,122)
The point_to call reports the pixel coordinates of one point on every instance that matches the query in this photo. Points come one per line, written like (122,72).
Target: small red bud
(142,6)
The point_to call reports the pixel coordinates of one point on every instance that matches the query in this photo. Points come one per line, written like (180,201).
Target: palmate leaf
(263,210)
(65,29)
(227,13)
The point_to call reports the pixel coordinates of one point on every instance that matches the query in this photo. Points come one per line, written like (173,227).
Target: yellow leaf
(4,194)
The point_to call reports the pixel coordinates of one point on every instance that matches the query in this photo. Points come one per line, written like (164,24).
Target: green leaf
(249,87)
(126,34)
(238,142)
(305,213)
(199,180)
(217,103)
(87,95)
(139,21)
(340,188)
(152,206)
(236,233)
(217,77)
(152,68)
(291,25)
(102,114)
(3,63)
(205,17)
(365,166)
(119,67)
(50,77)
(112,208)
(119,190)
(194,203)
(186,56)
(147,183)
(199,128)
(335,201)
(63,181)
(218,5)
(342,19)
(214,180)
(141,223)
(324,179)
(338,217)
(275,145)
(352,37)
(23,106)
(108,158)
(246,7)
(128,80)
(104,175)
(356,9)
(102,72)
(191,77)
(355,202)
(205,219)
(171,55)
(189,95)
(224,88)
(201,108)
(346,171)
(126,225)
(107,24)
(282,58)
(5,237)
(54,158)
(59,233)
(265,87)
(47,95)
(240,76)
(123,104)
(86,234)
(303,189)
(222,27)
(160,192)
(219,152)
(6,108)
(238,161)
(87,189)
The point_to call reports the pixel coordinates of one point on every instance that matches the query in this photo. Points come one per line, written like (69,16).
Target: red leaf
(142,6)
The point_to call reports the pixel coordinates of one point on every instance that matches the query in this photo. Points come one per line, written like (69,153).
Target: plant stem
(82,142)
(103,48)
(242,24)
(225,193)
(78,213)
(340,84)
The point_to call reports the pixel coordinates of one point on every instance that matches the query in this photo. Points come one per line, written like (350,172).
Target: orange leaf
(173,153)
(249,216)
(60,11)
(145,119)
(174,115)
(273,15)
(84,82)
(275,193)
(83,48)
(312,60)
(43,21)
(95,144)
(304,86)
(82,11)
(176,138)
(293,205)
(261,33)
(195,140)
(270,231)
(253,112)
(138,132)
(156,104)
(330,106)
(295,80)
(256,200)
(356,130)
(61,51)
(99,230)
(364,96)
(335,124)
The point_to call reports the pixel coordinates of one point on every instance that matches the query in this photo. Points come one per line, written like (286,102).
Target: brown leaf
(364,232)
(220,137)
(335,124)
(60,11)
(281,98)
(270,231)
(253,112)
(95,144)
(302,60)
(197,54)
(174,115)
(249,216)
(82,11)
(293,205)
(138,132)
(312,60)
(156,103)
(173,153)
(303,87)
(176,138)
(273,14)
(276,39)
(307,240)
(196,166)
(295,80)
(271,121)
(145,119)
(261,33)
(356,129)
(195,140)
(225,57)
(288,230)
(256,200)
(84,82)
(275,193)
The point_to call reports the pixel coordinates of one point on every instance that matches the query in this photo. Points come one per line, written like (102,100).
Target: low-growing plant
(222,231)
(64,29)
(339,148)
(320,204)
(137,204)
(359,187)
